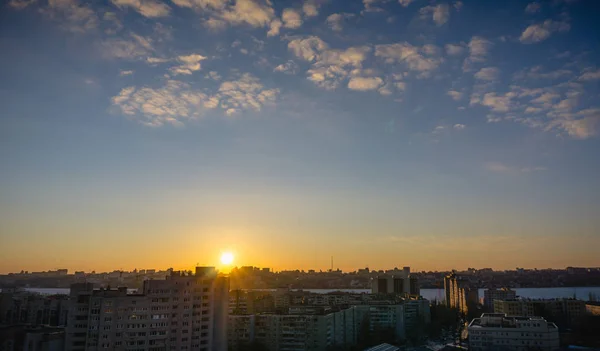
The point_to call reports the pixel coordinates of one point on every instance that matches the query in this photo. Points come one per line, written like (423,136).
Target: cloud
(189,64)
(125,73)
(20,4)
(370,5)
(308,49)
(581,128)
(365,83)
(290,67)
(146,8)
(201,4)
(291,19)
(479,49)
(170,104)
(455,49)
(245,93)
(537,73)
(455,95)
(311,8)
(156,60)
(336,20)
(533,7)
(536,33)
(71,15)
(439,13)
(274,27)
(459,126)
(133,48)
(213,75)
(498,103)
(420,59)
(498,167)
(405,3)
(590,74)
(487,73)
(458,5)
(220,13)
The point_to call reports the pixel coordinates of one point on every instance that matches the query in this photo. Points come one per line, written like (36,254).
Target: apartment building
(497,331)
(395,282)
(568,310)
(183,312)
(460,294)
(489,295)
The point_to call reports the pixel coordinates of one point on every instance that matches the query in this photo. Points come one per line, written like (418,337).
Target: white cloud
(479,49)
(440,13)
(245,93)
(590,74)
(455,49)
(71,15)
(335,21)
(536,33)
(416,58)
(170,104)
(455,95)
(365,83)
(308,49)
(459,126)
(125,73)
(147,8)
(189,64)
(405,3)
(274,27)
(311,8)
(256,13)
(156,60)
(20,4)
(533,7)
(487,73)
(576,126)
(201,4)
(291,19)
(498,103)
(290,67)
(213,75)
(133,48)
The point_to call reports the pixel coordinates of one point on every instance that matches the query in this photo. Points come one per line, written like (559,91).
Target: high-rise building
(460,294)
(183,312)
(395,282)
(497,331)
(489,295)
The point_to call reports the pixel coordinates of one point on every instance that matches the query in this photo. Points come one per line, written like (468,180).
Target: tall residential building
(489,295)
(183,312)
(568,310)
(497,331)
(395,282)
(459,293)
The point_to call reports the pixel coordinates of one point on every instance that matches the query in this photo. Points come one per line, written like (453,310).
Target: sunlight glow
(227,258)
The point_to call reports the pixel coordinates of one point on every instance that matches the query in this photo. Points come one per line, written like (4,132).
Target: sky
(385,133)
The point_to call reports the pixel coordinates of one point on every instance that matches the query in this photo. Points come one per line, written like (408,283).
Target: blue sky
(450,133)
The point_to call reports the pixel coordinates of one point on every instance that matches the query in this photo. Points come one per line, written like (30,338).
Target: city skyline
(436,134)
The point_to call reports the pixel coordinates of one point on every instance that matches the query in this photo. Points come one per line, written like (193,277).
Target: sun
(227,258)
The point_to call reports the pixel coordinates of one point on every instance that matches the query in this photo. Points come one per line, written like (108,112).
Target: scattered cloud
(245,93)
(335,21)
(189,64)
(536,33)
(420,59)
(405,3)
(488,73)
(72,16)
(590,74)
(20,4)
(125,73)
(455,95)
(213,75)
(290,67)
(311,8)
(291,19)
(132,48)
(146,8)
(533,7)
(274,27)
(455,49)
(439,13)
(365,83)
(459,126)
(499,167)
(458,5)
(479,49)
(537,72)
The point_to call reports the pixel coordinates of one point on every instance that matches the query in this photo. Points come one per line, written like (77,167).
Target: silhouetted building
(396,282)
(459,293)
(489,295)
(184,311)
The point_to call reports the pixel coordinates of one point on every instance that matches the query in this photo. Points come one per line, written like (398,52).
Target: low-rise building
(497,331)
(567,310)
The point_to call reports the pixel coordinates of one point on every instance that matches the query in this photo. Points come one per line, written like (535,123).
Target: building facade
(567,310)
(183,312)
(395,282)
(489,295)
(497,331)
(460,294)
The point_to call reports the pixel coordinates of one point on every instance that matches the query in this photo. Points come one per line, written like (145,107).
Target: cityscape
(299,175)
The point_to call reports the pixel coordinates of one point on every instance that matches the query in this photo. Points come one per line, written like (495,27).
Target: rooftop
(383,347)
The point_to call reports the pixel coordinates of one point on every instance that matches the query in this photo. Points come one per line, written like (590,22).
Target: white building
(496,331)
(396,282)
(182,312)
